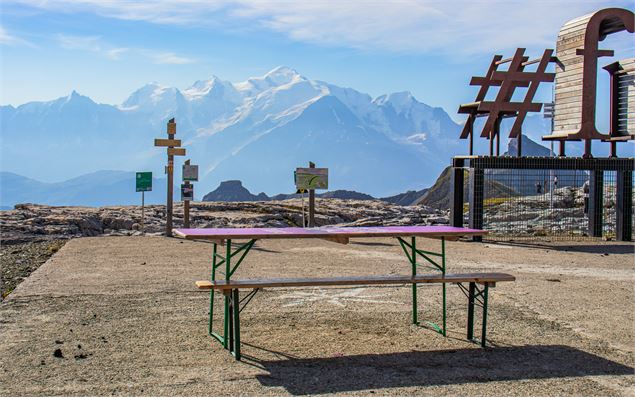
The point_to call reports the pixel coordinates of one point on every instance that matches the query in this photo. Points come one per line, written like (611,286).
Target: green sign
(311,178)
(144,181)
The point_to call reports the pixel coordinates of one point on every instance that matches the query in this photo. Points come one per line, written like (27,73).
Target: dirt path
(123,314)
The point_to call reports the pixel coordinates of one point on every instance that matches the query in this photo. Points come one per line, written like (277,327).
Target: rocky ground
(17,261)
(560,213)
(31,222)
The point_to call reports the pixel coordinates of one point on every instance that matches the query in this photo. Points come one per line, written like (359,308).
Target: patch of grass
(489,202)
(54,247)
(495,201)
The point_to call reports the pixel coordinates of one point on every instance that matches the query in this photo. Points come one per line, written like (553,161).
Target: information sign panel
(144,181)
(190,172)
(311,178)
(187,192)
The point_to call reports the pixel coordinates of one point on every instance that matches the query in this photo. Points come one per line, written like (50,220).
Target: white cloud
(8,39)
(115,53)
(417,138)
(96,45)
(84,43)
(169,58)
(463,27)
(421,26)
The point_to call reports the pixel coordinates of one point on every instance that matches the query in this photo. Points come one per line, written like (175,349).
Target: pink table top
(326,232)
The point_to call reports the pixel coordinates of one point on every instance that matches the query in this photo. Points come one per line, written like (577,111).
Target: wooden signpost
(189,174)
(310,179)
(172,150)
(143,184)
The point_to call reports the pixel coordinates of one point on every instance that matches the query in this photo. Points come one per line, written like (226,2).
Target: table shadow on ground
(599,248)
(430,368)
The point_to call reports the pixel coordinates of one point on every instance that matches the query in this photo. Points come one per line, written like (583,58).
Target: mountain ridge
(257,131)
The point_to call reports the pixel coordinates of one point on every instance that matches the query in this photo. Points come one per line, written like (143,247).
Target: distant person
(555,182)
(538,188)
(585,190)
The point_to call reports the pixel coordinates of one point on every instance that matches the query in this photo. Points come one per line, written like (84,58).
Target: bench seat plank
(480,278)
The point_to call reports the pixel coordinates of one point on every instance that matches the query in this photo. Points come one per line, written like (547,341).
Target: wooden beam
(480,278)
(176,151)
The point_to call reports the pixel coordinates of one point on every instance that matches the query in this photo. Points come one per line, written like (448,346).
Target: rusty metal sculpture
(502,106)
(574,119)
(578,51)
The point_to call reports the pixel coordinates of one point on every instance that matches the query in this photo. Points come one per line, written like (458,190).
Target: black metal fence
(544,198)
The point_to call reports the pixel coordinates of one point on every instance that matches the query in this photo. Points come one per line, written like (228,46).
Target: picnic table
(233,256)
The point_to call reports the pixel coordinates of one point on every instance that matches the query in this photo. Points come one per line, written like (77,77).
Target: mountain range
(95,189)
(257,131)
(106,188)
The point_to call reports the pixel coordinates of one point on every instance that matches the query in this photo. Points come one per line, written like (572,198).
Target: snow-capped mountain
(257,131)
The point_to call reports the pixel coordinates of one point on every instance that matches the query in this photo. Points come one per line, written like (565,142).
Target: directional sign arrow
(167,142)
(176,151)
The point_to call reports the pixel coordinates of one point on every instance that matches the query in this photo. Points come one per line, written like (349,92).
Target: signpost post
(143,184)
(190,173)
(310,179)
(172,150)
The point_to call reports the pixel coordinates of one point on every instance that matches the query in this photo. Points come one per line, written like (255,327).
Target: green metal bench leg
(226,323)
(211,294)
(231,320)
(236,315)
(228,251)
(415,320)
(444,285)
(484,331)
(470,312)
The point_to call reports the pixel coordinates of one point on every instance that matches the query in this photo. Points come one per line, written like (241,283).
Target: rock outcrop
(233,191)
(411,197)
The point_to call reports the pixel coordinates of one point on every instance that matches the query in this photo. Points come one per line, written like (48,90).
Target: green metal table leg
(413,261)
(443,285)
(411,251)
(211,293)
(228,339)
(228,294)
(470,311)
(227,277)
(484,332)
(236,315)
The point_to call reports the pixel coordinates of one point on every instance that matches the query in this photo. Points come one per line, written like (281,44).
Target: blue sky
(106,49)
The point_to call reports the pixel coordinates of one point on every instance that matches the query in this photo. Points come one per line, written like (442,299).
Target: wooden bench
(476,292)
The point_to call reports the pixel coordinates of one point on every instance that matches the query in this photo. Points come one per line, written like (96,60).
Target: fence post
(596,198)
(456,193)
(311,202)
(624,206)
(477,177)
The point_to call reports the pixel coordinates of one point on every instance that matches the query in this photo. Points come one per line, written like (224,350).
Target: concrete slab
(126,317)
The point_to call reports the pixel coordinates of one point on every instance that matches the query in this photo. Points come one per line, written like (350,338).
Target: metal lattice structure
(538,197)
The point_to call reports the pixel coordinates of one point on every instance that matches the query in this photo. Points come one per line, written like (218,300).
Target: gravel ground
(17,261)
(120,315)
